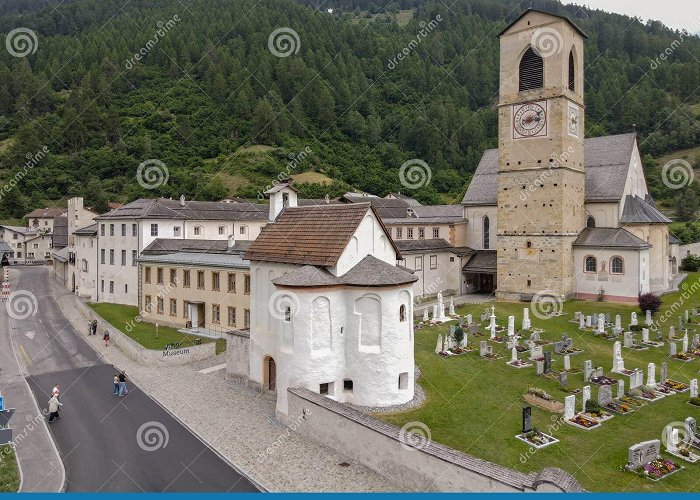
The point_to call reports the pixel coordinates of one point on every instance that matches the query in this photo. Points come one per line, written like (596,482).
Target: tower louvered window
(572,75)
(531,71)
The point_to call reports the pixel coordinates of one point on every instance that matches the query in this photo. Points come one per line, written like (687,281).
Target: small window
(433,262)
(246,284)
(123,229)
(154,229)
(197,230)
(231,282)
(529,283)
(222,230)
(111,257)
(111,229)
(347,385)
(529,244)
(102,230)
(176,231)
(486,233)
(399,233)
(215,313)
(111,287)
(186,278)
(287,314)
(173,277)
(531,71)
(215,281)
(323,389)
(159,275)
(436,232)
(418,264)
(403,381)
(572,71)
(409,233)
(147,275)
(173,307)
(242,230)
(246,318)
(134,257)
(231,316)
(200,280)
(590,222)
(402,313)
(421,233)
(591,264)
(160,305)
(147,304)
(123,257)
(134,230)
(617,265)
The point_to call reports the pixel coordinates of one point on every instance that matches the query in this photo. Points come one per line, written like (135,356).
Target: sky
(676,14)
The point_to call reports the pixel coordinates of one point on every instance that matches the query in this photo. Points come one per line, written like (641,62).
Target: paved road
(108,443)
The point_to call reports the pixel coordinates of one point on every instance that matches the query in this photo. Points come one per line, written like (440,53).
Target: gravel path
(239,423)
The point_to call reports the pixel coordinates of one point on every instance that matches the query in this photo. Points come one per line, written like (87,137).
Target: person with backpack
(106,338)
(54,405)
(123,391)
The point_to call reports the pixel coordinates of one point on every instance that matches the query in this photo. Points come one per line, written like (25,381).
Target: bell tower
(540,144)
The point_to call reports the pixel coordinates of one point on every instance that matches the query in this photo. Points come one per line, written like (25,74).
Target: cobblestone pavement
(238,422)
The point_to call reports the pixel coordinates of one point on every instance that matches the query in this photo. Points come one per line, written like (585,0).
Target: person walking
(56,391)
(106,338)
(54,405)
(93,326)
(123,391)
(116,384)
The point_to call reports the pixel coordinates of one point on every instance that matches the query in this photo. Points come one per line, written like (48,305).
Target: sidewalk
(40,464)
(238,423)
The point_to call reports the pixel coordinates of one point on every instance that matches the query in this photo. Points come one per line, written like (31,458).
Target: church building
(550,211)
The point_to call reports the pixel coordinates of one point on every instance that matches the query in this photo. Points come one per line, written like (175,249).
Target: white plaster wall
(241,230)
(475,226)
(446,277)
(626,285)
(605,214)
(125,278)
(85,248)
(369,238)
(636,184)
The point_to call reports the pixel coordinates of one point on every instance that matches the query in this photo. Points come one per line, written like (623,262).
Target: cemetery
(609,374)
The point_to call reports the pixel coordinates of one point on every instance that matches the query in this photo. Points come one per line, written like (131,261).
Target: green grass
(122,317)
(474,405)
(9,472)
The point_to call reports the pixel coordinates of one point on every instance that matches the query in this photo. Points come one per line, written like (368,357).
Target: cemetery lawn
(9,473)
(474,404)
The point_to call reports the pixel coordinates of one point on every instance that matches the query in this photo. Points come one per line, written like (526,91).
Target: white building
(331,311)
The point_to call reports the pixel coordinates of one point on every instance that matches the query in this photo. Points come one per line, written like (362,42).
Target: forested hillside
(208,93)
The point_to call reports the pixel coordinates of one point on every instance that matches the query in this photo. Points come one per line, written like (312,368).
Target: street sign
(2,403)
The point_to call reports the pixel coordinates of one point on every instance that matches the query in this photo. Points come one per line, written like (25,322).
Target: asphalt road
(108,443)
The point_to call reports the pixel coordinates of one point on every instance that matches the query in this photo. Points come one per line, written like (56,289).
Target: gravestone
(485,349)
(567,363)
(597,372)
(633,319)
(563,379)
(647,319)
(642,453)
(535,337)
(511,326)
(425,315)
(645,335)
(617,329)
(607,318)
(587,370)
(672,439)
(659,335)
(694,388)
(581,322)
(687,316)
(435,312)
(547,362)
(469,319)
(438,347)
(672,349)
(680,323)
(618,362)
(664,372)
(589,321)
(671,333)
(526,318)
(620,388)
(535,351)
(559,347)
(586,397)
(569,407)
(628,339)
(513,355)
(640,377)
(527,419)
(539,368)
(691,430)
(452,307)
(685,341)
(605,395)
(696,341)
(651,375)
(601,324)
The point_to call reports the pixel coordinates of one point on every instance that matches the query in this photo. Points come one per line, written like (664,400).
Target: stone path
(238,422)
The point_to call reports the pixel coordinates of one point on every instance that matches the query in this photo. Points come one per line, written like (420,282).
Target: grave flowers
(619,408)
(682,356)
(586,423)
(603,380)
(659,468)
(632,402)
(595,412)
(536,438)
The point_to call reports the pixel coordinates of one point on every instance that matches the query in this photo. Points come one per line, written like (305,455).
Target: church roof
(483,261)
(606,167)
(641,211)
(315,235)
(369,272)
(420,246)
(573,25)
(609,237)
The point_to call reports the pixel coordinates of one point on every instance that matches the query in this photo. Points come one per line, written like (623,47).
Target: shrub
(592,407)
(694,401)
(649,302)
(691,263)
(636,328)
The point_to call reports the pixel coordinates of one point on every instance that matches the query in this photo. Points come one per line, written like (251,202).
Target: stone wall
(238,354)
(434,467)
(140,354)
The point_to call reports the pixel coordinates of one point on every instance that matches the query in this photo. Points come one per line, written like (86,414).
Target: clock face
(573,119)
(530,119)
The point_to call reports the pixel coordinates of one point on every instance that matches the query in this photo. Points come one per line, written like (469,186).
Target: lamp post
(156,330)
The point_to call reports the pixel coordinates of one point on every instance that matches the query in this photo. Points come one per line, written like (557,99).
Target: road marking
(24,353)
(30,335)
(213,369)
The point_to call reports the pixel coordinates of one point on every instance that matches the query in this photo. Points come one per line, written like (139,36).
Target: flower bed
(665,391)
(583,422)
(683,356)
(570,352)
(653,344)
(632,401)
(603,380)
(660,468)
(685,453)
(646,394)
(519,363)
(537,439)
(626,372)
(638,347)
(599,415)
(620,408)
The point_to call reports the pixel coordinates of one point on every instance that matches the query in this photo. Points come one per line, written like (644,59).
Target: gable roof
(59,238)
(38,213)
(315,235)
(90,230)
(386,208)
(609,237)
(172,245)
(606,167)
(640,211)
(163,208)
(483,261)
(571,23)
(421,246)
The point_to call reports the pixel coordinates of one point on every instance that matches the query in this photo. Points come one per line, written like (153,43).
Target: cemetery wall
(433,467)
(140,354)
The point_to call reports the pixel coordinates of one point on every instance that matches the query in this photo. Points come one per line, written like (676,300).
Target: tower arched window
(572,71)
(531,72)
(402,313)
(590,222)
(591,264)
(486,231)
(617,265)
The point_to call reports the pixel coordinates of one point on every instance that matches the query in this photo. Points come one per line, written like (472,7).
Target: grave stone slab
(642,453)
(664,372)
(651,374)
(539,367)
(526,318)
(672,349)
(620,388)
(569,407)
(585,397)
(633,319)
(547,362)
(628,339)
(691,429)
(567,362)
(587,370)
(605,395)
(563,379)
(618,362)
(694,388)
(527,419)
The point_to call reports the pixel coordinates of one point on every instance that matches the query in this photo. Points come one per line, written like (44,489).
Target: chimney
(282,196)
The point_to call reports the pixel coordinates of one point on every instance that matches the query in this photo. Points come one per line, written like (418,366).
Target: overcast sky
(673,13)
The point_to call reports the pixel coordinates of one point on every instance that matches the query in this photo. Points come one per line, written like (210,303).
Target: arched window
(402,313)
(617,265)
(487,236)
(287,314)
(590,222)
(531,71)
(572,73)
(591,265)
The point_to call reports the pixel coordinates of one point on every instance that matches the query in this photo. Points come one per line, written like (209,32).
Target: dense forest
(208,97)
